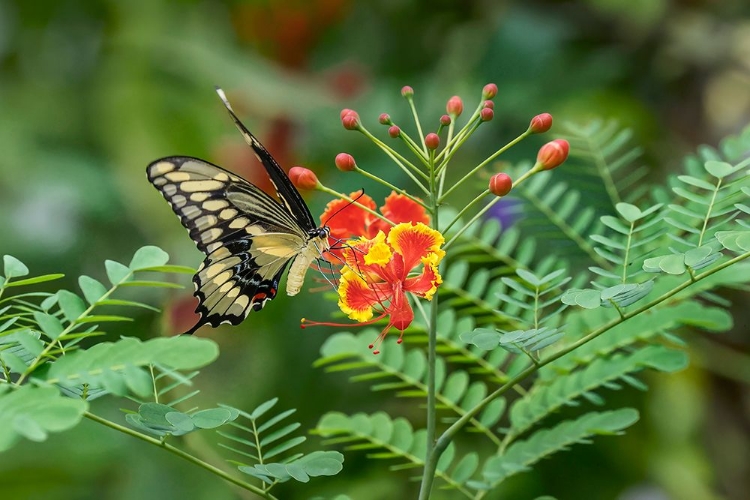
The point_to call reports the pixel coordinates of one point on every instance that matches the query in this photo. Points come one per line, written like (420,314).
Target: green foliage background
(92,91)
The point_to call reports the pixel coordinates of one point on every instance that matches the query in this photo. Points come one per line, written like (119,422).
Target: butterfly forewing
(287,193)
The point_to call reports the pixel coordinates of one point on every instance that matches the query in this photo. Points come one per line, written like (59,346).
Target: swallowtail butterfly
(249,238)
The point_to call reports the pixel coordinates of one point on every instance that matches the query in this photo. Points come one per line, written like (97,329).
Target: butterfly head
(322,232)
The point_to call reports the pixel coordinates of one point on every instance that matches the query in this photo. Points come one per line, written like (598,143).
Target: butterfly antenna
(352,202)
(249,137)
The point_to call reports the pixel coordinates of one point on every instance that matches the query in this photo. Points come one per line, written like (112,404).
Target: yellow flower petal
(379,253)
(349,286)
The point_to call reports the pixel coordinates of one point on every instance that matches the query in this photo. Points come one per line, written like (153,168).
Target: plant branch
(184,455)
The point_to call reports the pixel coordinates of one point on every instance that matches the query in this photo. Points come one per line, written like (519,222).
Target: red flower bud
(432,141)
(345,162)
(500,184)
(553,154)
(394,131)
(489,91)
(385,119)
(303,178)
(488,104)
(345,112)
(541,123)
(486,114)
(407,91)
(455,106)
(445,120)
(350,120)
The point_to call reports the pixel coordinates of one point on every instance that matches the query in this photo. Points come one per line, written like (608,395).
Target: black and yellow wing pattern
(249,238)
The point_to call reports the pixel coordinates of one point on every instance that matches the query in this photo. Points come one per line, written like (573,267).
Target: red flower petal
(425,284)
(346,219)
(399,208)
(415,243)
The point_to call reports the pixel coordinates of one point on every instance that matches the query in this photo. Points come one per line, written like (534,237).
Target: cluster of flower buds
(405,219)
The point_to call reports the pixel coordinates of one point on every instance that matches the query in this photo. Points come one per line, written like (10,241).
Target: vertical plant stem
(429,469)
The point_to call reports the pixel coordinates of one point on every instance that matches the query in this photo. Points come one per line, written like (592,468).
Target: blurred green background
(92,91)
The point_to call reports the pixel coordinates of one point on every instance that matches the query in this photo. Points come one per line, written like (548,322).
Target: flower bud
(500,184)
(432,141)
(385,119)
(345,162)
(350,120)
(445,120)
(407,91)
(345,112)
(488,104)
(394,131)
(541,123)
(486,114)
(553,154)
(489,91)
(303,178)
(455,106)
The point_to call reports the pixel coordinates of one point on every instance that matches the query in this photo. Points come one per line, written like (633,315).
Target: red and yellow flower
(380,271)
(381,262)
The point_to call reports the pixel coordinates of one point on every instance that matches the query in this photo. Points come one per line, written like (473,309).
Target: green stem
(708,212)
(447,436)
(414,147)
(410,100)
(184,455)
(408,168)
(428,475)
(153,383)
(466,226)
(535,169)
(460,140)
(441,174)
(389,185)
(466,209)
(484,163)
(625,262)
(73,324)
(470,123)
(606,175)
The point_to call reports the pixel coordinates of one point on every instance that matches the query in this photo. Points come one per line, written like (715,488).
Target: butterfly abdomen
(296,275)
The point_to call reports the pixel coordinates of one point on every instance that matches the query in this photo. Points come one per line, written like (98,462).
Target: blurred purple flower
(506,212)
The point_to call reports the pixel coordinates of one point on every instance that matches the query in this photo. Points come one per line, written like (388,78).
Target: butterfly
(249,237)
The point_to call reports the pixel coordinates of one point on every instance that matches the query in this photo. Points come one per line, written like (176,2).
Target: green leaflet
(33,412)
(545,399)
(388,439)
(162,420)
(522,454)
(405,372)
(104,364)
(260,439)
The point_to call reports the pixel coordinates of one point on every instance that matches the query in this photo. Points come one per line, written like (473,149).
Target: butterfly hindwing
(231,282)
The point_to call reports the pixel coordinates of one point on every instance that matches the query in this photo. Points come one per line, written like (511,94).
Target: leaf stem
(73,324)
(182,454)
